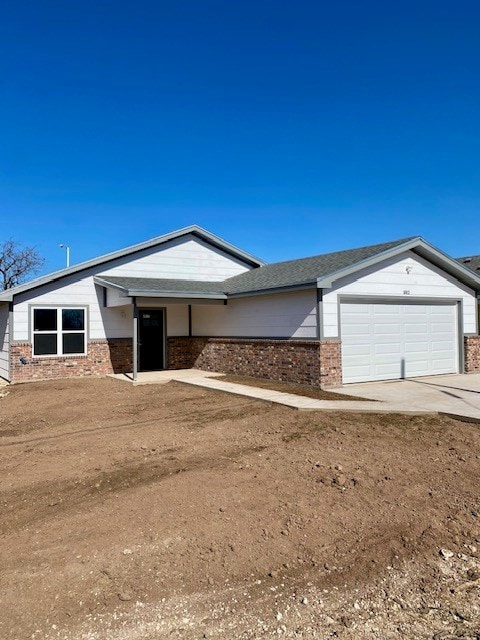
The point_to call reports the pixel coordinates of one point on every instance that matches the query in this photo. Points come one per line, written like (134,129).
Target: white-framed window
(59,331)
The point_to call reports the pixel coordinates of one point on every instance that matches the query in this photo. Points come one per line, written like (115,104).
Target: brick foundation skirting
(103,357)
(311,362)
(472,354)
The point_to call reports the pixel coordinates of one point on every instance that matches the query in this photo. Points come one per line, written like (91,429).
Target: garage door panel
(414,310)
(388,327)
(388,369)
(416,327)
(439,327)
(356,330)
(441,310)
(439,346)
(443,366)
(416,347)
(415,368)
(382,310)
(386,348)
(359,350)
(389,341)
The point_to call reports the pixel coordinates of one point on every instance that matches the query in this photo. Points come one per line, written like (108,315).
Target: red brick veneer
(313,362)
(330,363)
(472,354)
(103,357)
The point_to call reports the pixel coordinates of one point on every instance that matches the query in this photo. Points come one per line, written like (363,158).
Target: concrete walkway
(457,395)
(299,402)
(208,380)
(162,377)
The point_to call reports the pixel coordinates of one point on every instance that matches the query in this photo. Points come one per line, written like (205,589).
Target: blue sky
(288,128)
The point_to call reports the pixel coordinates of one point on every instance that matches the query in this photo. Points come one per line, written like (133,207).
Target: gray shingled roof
(472,262)
(303,270)
(163,285)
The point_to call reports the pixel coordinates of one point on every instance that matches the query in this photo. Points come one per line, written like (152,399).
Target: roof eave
(464,274)
(260,292)
(194,295)
(110,285)
(156,293)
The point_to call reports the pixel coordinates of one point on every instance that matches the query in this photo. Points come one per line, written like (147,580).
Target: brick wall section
(330,353)
(472,354)
(103,357)
(299,361)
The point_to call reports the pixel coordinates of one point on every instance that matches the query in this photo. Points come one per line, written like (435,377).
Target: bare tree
(17,263)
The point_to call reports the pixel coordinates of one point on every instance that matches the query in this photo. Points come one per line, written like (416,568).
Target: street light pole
(67,249)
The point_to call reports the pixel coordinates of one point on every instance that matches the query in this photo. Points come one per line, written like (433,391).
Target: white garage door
(387,341)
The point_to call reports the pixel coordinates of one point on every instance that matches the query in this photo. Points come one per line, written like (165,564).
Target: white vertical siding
(4,342)
(187,258)
(282,315)
(391,279)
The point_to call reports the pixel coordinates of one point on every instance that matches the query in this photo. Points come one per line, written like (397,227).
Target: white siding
(115,298)
(4,342)
(285,315)
(78,290)
(186,258)
(390,278)
(177,315)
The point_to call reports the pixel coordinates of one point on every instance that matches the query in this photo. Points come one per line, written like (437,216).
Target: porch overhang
(184,290)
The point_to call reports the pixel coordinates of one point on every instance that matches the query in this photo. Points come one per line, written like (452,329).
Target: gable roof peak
(193,229)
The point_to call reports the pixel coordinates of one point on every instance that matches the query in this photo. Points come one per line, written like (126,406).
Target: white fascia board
(464,274)
(143,293)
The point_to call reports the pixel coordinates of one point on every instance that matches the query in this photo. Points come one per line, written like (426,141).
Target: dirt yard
(286,387)
(140,513)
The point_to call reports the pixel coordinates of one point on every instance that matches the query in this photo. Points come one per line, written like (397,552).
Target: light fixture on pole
(67,249)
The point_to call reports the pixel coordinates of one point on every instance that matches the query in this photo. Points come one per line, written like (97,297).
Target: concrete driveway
(453,394)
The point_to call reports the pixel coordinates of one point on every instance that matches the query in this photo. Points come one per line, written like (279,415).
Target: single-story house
(190,299)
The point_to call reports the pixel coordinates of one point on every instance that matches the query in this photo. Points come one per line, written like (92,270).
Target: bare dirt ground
(137,513)
(287,387)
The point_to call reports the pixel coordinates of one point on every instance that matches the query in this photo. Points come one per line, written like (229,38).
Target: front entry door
(151,339)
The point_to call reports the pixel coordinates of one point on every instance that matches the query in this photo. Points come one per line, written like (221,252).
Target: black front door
(151,339)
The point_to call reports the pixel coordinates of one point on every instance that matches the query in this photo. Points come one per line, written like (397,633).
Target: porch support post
(319,314)
(135,339)
(189,320)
